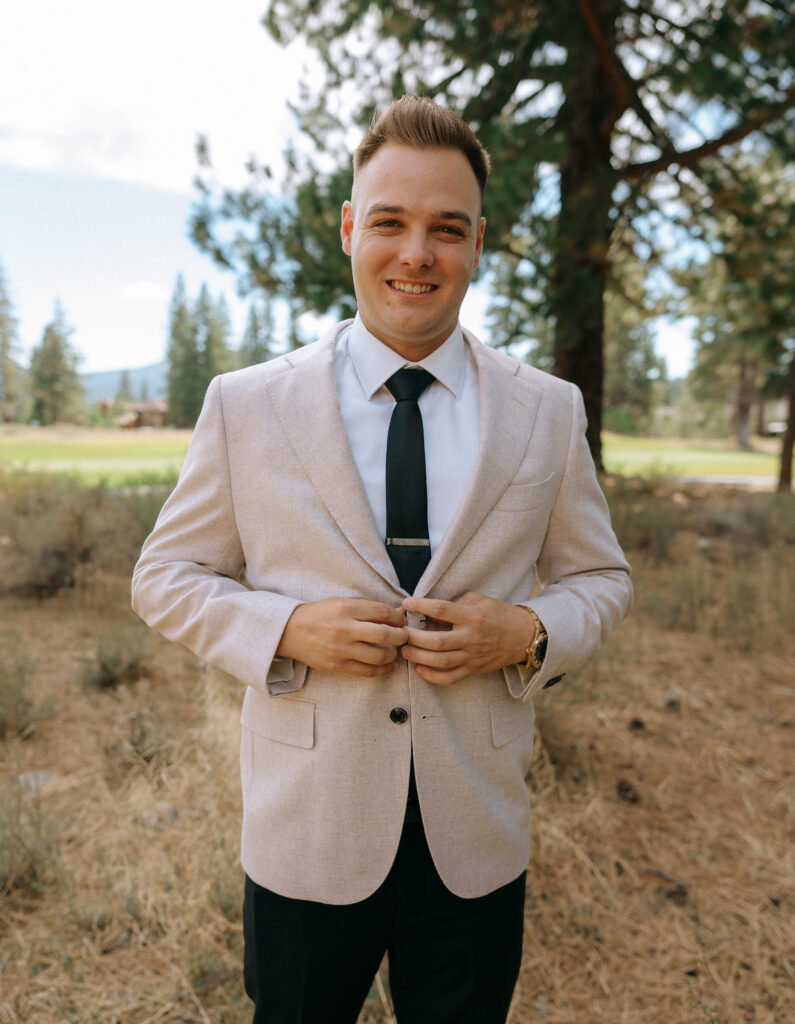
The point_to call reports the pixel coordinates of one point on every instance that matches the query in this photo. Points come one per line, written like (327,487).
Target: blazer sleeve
(187,583)
(583,574)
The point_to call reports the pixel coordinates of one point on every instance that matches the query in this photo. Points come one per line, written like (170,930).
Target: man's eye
(386,224)
(448,229)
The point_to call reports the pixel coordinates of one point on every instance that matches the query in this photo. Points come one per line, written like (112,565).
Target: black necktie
(406,494)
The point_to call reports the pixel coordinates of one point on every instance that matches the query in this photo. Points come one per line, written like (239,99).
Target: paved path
(758,483)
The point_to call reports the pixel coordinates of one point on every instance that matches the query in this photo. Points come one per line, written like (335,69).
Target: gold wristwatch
(533,656)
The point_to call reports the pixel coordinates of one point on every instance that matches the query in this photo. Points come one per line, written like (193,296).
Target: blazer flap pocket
(282,719)
(510,719)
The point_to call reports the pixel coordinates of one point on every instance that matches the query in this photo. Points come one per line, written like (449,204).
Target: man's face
(414,233)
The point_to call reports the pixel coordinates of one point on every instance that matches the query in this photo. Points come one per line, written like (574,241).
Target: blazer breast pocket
(521,497)
(282,719)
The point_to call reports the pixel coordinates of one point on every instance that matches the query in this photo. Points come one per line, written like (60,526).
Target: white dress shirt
(450,410)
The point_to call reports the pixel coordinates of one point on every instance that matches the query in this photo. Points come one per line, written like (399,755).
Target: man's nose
(417,250)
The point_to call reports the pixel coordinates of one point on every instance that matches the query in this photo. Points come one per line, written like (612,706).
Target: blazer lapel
(305,400)
(508,407)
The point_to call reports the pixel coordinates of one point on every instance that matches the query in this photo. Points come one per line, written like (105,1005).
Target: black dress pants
(451,960)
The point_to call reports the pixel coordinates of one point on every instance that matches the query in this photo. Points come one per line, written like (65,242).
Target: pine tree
(54,383)
(742,294)
(635,376)
(256,345)
(597,114)
(198,350)
(213,330)
(186,383)
(125,389)
(11,374)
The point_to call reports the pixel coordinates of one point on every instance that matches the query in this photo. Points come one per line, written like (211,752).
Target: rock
(167,812)
(33,780)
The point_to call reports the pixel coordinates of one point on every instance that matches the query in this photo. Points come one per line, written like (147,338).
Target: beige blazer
(270,512)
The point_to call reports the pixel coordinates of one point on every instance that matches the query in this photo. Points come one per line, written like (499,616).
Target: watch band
(533,656)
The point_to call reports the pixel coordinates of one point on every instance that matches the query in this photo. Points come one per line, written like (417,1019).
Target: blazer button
(399,715)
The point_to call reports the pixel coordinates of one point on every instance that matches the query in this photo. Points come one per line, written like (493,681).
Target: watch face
(541,649)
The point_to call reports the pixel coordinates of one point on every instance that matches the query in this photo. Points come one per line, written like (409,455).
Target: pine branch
(624,87)
(445,83)
(486,108)
(686,158)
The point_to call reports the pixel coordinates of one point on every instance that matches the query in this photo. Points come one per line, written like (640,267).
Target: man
(386,630)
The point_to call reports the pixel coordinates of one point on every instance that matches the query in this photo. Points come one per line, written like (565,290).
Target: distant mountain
(144,382)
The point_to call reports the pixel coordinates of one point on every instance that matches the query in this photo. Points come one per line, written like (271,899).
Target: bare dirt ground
(661,883)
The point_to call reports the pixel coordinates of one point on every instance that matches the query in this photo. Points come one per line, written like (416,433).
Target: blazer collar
(305,400)
(508,407)
(304,397)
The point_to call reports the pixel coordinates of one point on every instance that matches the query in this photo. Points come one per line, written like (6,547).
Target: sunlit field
(119,457)
(629,456)
(96,455)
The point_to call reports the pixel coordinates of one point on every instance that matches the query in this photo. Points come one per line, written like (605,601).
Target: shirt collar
(375,362)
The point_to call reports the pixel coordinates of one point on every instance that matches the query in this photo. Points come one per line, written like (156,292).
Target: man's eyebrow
(378,208)
(455,215)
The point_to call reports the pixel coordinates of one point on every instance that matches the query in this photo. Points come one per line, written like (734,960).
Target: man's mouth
(412,288)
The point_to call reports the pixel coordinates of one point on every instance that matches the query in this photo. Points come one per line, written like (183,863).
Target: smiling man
(395,538)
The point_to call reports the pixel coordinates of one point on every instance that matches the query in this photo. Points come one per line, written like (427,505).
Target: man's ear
(346,226)
(479,239)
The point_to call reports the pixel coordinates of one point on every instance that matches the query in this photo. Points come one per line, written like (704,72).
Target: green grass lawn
(631,456)
(119,457)
(114,457)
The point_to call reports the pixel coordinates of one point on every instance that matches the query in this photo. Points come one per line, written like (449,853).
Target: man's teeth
(415,289)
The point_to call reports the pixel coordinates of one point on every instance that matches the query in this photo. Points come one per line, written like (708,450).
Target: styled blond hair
(420,122)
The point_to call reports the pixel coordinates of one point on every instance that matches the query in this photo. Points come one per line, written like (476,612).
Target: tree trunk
(759,412)
(580,258)
(788,442)
(746,393)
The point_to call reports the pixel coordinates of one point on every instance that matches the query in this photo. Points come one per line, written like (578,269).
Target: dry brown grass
(661,885)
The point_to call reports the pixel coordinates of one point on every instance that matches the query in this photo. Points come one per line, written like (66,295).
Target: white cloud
(143,291)
(118,91)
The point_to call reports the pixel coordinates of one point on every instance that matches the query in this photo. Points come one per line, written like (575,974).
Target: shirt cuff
(285,676)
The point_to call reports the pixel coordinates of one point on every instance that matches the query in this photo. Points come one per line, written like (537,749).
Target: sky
(100,107)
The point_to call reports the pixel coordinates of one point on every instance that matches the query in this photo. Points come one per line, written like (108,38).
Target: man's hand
(462,638)
(341,634)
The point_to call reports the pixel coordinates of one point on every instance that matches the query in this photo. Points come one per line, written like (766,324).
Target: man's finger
(435,640)
(374,611)
(445,611)
(366,671)
(442,677)
(373,654)
(379,633)
(435,659)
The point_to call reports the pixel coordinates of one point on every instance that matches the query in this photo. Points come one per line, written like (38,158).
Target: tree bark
(746,393)
(580,255)
(788,442)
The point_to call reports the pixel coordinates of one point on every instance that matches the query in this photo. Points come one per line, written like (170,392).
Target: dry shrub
(643,519)
(122,655)
(648,514)
(19,713)
(660,887)
(29,847)
(16,707)
(55,534)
